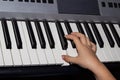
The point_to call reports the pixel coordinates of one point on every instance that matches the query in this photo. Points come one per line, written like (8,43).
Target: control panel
(109,7)
(84,7)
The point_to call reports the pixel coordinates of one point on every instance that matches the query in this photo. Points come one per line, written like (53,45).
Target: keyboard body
(52,10)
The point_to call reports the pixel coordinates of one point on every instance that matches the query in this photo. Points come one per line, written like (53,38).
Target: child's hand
(87,57)
(86,51)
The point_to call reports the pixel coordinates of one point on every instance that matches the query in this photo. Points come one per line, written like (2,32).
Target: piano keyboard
(32,36)
(42,42)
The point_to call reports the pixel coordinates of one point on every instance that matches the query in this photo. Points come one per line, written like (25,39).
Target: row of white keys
(116,49)
(100,51)
(107,48)
(32,52)
(70,50)
(57,51)
(48,51)
(14,51)
(24,51)
(7,57)
(117,29)
(1,55)
(40,51)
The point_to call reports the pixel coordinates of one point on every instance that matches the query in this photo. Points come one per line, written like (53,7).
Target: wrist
(101,72)
(95,66)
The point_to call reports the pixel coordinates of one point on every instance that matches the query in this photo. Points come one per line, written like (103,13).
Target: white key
(58,48)
(14,51)
(107,48)
(70,51)
(32,52)
(40,51)
(117,28)
(48,50)
(100,53)
(1,56)
(8,61)
(24,53)
(74,27)
(84,30)
(114,50)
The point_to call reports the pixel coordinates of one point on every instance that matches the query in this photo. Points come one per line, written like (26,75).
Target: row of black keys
(61,34)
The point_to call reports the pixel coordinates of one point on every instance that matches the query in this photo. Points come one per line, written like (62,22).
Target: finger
(76,40)
(88,42)
(81,36)
(69,59)
(94,48)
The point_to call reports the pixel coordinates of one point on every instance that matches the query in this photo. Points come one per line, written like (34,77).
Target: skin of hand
(86,51)
(87,56)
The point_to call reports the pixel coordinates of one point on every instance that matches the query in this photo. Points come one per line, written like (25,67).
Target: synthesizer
(32,35)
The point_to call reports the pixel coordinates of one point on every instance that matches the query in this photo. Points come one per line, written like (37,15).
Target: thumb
(69,59)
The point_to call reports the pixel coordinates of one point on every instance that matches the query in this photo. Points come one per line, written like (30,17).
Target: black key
(97,34)
(40,34)
(17,34)
(67,25)
(115,34)
(69,31)
(61,34)
(80,29)
(31,34)
(6,34)
(49,34)
(108,35)
(89,33)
